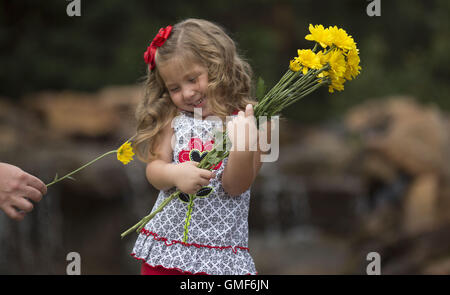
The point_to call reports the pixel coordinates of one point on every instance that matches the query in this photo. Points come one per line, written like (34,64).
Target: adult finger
(22,204)
(13,213)
(33,194)
(36,183)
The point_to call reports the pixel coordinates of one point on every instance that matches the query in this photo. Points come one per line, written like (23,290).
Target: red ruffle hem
(147,269)
(166,241)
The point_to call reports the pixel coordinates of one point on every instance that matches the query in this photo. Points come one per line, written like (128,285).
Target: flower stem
(81,168)
(188,218)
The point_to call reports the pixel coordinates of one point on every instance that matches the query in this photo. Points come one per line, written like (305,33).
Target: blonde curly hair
(229,80)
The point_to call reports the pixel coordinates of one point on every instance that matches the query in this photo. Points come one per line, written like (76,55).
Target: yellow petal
(125,153)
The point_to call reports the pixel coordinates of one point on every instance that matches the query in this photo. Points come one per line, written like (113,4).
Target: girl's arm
(163,174)
(159,172)
(243,166)
(239,173)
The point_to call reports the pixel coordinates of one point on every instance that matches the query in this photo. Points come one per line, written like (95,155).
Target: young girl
(194,65)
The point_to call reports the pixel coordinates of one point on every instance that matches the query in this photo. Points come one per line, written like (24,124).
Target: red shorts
(159,270)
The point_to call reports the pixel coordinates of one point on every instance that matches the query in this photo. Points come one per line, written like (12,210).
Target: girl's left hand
(242,131)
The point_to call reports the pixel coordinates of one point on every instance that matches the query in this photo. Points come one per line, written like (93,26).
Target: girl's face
(187,85)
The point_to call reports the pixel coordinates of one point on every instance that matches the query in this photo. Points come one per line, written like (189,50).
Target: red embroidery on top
(165,240)
(196,151)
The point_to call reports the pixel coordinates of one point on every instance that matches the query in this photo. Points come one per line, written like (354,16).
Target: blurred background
(363,170)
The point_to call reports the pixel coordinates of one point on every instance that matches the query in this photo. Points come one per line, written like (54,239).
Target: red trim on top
(165,240)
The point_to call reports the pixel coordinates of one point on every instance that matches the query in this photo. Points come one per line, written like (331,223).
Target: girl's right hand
(189,179)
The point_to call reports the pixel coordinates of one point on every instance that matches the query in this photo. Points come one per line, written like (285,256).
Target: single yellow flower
(338,66)
(341,39)
(337,83)
(308,59)
(294,65)
(337,63)
(125,153)
(324,58)
(353,67)
(319,34)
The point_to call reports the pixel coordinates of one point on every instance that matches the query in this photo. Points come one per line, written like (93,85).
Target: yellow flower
(294,65)
(337,83)
(338,66)
(319,34)
(308,59)
(353,66)
(340,38)
(125,153)
(323,57)
(337,63)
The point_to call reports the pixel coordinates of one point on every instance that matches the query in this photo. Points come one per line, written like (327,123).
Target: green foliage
(404,51)
(260,89)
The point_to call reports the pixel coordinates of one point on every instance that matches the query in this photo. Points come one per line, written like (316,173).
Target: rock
(438,267)
(378,167)
(69,113)
(420,208)
(406,147)
(18,128)
(413,137)
(9,138)
(317,150)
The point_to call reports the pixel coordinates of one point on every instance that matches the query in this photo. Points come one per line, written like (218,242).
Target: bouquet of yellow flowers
(333,65)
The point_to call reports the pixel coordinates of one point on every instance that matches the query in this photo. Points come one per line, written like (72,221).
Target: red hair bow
(158,41)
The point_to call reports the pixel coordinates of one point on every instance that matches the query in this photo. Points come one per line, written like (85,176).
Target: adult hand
(17,188)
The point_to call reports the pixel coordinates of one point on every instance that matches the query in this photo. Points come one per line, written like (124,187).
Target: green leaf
(260,89)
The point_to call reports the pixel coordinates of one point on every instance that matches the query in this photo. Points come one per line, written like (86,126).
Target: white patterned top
(216,240)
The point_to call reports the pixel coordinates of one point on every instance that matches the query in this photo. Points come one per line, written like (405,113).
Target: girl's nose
(188,93)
